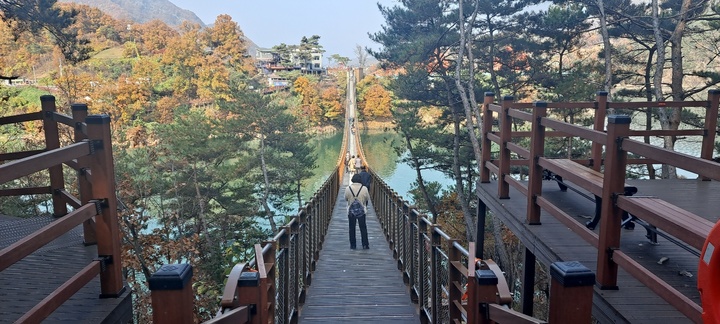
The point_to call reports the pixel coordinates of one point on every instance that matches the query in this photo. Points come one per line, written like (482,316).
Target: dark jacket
(365,178)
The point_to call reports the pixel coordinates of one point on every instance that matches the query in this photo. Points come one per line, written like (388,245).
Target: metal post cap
(171,277)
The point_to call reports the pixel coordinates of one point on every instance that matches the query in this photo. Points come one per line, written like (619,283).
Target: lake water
(381,156)
(383,159)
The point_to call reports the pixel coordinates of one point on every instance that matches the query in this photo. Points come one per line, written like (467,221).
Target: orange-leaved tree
(310,109)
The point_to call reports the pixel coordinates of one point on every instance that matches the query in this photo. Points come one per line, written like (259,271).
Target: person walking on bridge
(347,162)
(365,177)
(358,164)
(351,165)
(357,214)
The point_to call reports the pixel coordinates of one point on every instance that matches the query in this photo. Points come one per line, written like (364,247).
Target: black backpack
(356,208)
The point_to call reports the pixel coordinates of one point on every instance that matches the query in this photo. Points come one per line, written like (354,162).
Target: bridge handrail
(92,153)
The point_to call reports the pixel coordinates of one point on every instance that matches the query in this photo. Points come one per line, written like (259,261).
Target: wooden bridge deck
(633,302)
(356,286)
(28,281)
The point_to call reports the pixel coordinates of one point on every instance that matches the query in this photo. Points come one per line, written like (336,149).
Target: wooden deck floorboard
(28,281)
(357,286)
(632,302)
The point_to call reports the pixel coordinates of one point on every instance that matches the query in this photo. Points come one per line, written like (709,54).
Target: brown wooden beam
(38,115)
(58,297)
(18,155)
(589,134)
(654,104)
(29,244)
(668,132)
(26,191)
(683,304)
(706,168)
(29,165)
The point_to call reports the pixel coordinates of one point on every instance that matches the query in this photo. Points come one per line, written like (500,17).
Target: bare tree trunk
(606,47)
(472,109)
(201,213)
(464,205)
(266,191)
(421,182)
(649,97)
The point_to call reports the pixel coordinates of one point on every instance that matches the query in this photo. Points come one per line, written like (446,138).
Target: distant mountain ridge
(142,11)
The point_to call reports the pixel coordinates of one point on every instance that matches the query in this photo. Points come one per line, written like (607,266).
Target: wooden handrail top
(38,115)
(29,165)
(680,223)
(655,104)
(62,294)
(260,260)
(502,314)
(20,249)
(503,291)
(702,167)
(18,155)
(240,315)
(229,297)
(574,130)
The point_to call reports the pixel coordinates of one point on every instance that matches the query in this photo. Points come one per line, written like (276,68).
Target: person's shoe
(366,247)
(352,247)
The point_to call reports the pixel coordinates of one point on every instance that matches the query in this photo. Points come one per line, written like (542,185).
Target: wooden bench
(680,223)
(650,212)
(588,179)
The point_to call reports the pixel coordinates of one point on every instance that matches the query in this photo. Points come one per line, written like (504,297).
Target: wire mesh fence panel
(280,314)
(426,268)
(442,303)
(417,285)
(304,250)
(292,281)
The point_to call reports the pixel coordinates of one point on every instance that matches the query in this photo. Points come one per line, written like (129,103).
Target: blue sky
(341,24)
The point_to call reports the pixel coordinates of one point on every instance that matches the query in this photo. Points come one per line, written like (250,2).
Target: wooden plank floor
(27,282)
(632,302)
(357,286)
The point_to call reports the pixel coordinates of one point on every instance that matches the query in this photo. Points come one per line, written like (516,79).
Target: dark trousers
(363,231)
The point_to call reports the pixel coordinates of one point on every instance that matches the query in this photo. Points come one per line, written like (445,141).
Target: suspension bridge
(67,267)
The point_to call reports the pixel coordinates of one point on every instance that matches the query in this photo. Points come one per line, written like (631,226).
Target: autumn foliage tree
(306,90)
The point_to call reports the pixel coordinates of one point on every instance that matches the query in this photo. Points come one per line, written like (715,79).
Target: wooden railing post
(571,293)
(172,294)
(79,113)
(613,185)
(269,283)
(478,247)
(505,138)
(484,292)
(601,100)
(711,116)
(454,280)
(528,284)
(52,141)
(486,146)
(103,189)
(537,150)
